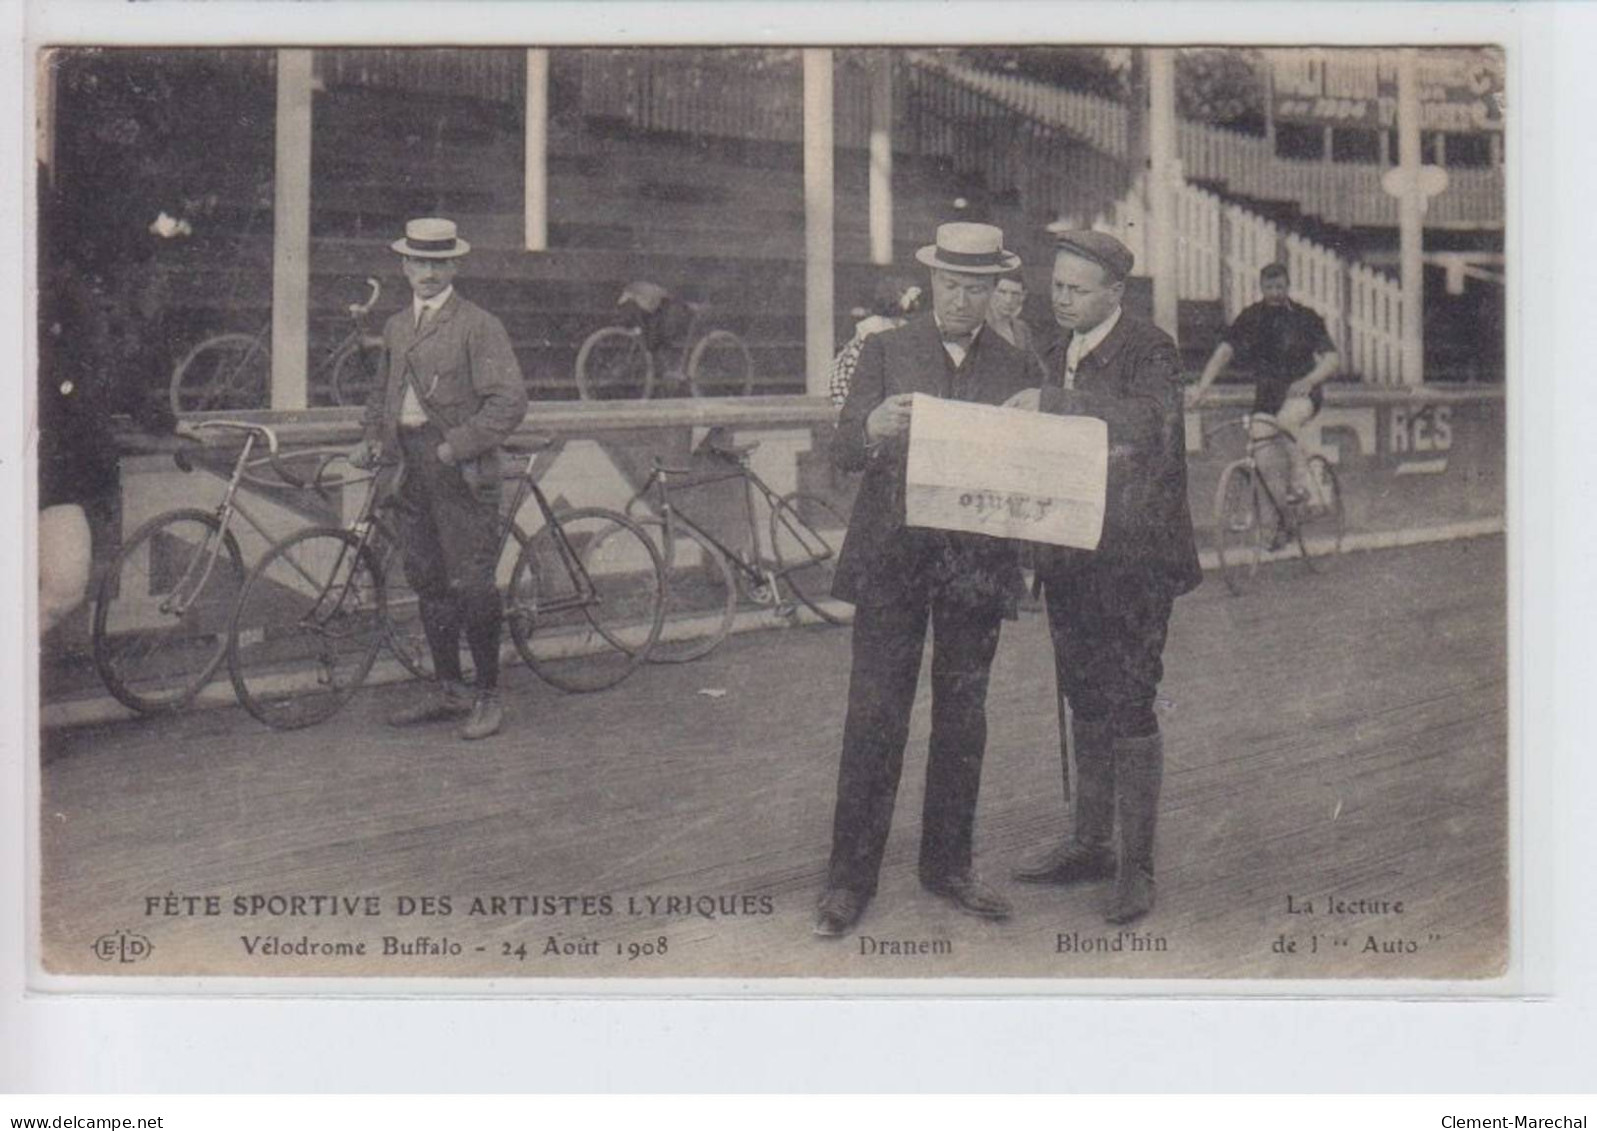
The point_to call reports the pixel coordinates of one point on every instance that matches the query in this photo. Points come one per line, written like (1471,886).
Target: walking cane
(1065,744)
(1065,741)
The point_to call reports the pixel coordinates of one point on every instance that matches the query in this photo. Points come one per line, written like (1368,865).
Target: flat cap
(1100,247)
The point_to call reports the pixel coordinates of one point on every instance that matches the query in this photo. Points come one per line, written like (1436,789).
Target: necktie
(423,318)
(1073,354)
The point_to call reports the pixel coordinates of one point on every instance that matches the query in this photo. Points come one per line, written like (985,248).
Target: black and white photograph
(972,518)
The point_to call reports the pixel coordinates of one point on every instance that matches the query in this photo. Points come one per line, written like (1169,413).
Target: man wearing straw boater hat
(451,394)
(900,579)
(1109,608)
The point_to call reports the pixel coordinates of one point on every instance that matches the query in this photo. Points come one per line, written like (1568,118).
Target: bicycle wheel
(1238,526)
(586,600)
(1324,523)
(307,628)
(806,534)
(402,628)
(229,371)
(162,609)
(354,373)
(720,366)
(614,365)
(701,595)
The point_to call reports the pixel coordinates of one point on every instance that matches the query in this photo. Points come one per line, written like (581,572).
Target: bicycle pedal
(787,610)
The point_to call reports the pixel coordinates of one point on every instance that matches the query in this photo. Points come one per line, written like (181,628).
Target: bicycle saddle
(732,451)
(530,444)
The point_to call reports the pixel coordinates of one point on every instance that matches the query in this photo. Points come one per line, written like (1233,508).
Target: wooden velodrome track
(1331,737)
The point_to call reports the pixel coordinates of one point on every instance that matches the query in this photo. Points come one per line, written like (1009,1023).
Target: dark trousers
(887,645)
(450,535)
(1108,626)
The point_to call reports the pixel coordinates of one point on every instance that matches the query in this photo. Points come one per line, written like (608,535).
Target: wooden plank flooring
(1341,735)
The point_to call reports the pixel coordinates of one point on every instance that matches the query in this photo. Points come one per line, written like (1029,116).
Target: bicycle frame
(755,569)
(226,509)
(1254,445)
(586,592)
(370,527)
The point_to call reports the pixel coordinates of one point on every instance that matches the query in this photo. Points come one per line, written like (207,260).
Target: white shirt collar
(1083,344)
(434,304)
(957,351)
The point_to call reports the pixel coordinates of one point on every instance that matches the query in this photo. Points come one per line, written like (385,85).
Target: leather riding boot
(1087,853)
(1139,772)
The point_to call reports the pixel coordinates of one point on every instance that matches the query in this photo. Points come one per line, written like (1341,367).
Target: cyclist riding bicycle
(663,318)
(1286,346)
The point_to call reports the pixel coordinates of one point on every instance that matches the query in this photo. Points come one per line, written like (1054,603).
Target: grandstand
(686,167)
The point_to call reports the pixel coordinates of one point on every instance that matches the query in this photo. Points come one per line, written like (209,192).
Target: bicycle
(624,362)
(585,601)
(233,371)
(1245,508)
(163,605)
(703,573)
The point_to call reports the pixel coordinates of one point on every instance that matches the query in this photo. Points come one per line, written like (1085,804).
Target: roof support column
(291,232)
(537,162)
(818,219)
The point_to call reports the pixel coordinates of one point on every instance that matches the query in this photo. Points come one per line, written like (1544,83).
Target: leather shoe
(444,701)
(969,894)
(1132,897)
(487,716)
(1069,862)
(839,910)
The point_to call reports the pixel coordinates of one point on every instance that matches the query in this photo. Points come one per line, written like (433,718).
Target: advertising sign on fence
(1010,474)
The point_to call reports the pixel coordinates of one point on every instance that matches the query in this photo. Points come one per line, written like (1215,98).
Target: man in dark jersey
(1290,355)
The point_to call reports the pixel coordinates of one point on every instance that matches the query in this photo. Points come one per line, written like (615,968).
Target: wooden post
(1411,213)
(291,232)
(881,158)
(47,93)
(1163,173)
(818,219)
(537,163)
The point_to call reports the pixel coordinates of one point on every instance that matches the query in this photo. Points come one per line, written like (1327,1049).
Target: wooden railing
(1347,194)
(751,95)
(492,74)
(1220,248)
(1053,172)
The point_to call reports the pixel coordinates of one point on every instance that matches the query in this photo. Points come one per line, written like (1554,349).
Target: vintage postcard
(472,537)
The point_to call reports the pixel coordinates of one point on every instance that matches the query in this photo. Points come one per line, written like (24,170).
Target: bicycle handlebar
(358,309)
(1247,420)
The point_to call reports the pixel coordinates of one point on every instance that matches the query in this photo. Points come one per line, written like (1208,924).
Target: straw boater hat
(974,249)
(431,238)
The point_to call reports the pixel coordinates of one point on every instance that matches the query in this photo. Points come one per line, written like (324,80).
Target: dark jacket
(882,559)
(466,378)
(1132,381)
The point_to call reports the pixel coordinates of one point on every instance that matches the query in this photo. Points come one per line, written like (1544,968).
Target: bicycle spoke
(162,611)
(307,629)
(806,535)
(586,600)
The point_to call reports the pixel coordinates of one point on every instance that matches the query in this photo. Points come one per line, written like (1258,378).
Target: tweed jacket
(466,378)
(1132,381)
(882,559)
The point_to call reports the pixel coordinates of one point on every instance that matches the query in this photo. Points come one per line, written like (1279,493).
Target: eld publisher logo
(122,947)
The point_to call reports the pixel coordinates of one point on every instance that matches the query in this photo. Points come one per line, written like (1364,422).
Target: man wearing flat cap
(901,579)
(1109,609)
(450,395)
